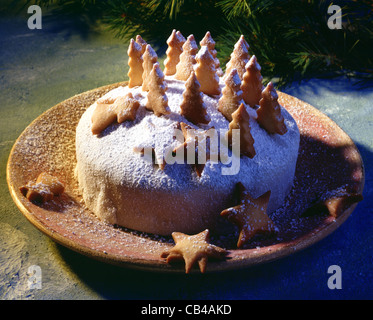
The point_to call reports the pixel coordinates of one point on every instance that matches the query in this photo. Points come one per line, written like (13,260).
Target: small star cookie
(193,249)
(250,215)
(334,206)
(110,110)
(126,108)
(44,189)
(103,116)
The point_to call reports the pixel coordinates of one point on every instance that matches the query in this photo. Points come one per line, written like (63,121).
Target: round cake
(127,167)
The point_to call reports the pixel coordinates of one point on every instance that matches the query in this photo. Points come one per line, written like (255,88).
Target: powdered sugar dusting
(272,90)
(179,37)
(190,44)
(253,62)
(202,52)
(151,52)
(241,48)
(233,79)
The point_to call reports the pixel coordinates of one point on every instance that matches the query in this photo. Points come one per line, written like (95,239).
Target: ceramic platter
(329,163)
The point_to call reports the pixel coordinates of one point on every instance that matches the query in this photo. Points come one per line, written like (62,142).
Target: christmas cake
(168,152)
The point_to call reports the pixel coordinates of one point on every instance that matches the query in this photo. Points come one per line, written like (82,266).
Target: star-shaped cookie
(44,189)
(250,215)
(126,108)
(193,249)
(334,205)
(110,110)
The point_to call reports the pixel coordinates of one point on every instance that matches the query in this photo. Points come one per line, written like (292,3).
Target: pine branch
(290,38)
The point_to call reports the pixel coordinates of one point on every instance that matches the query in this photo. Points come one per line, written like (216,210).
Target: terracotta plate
(329,166)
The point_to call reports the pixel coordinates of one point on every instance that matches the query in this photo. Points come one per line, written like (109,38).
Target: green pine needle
(290,38)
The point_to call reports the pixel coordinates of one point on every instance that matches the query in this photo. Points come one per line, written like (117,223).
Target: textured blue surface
(41,68)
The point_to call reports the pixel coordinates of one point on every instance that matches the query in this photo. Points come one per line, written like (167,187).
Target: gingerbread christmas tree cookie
(241,121)
(187,59)
(232,95)
(193,107)
(206,72)
(210,43)
(252,85)
(244,42)
(193,249)
(135,62)
(150,58)
(250,215)
(142,43)
(157,100)
(239,58)
(175,48)
(269,113)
